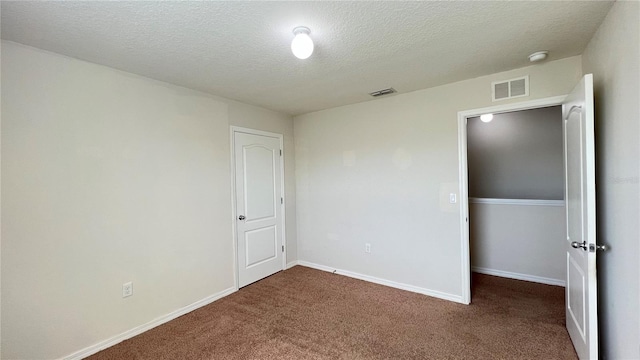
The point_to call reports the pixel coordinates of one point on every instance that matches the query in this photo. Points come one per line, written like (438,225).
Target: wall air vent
(383,92)
(509,89)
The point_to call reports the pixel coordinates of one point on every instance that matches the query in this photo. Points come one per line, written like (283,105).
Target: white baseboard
(81,354)
(393,284)
(518,276)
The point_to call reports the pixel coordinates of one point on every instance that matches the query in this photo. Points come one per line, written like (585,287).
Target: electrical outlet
(367,248)
(127,289)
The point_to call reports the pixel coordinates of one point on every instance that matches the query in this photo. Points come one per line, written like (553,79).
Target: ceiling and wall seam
(241,51)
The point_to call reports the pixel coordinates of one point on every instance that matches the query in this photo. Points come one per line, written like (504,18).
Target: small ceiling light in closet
(486,117)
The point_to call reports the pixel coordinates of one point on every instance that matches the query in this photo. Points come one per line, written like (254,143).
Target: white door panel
(260,245)
(576,301)
(257,160)
(580,245)
(259,184)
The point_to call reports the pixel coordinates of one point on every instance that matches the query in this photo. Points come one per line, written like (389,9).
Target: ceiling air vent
(509,89)
(383,92)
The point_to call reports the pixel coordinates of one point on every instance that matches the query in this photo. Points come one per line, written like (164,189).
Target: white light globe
(302,45)
(486,117)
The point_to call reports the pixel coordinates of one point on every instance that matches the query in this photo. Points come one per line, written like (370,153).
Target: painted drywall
(517,155)
(110,177)
(518,239)
(613,56)
(0,205)
(380,172)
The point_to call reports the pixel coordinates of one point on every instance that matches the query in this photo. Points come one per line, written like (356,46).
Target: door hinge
(282,248)
(594,247)
(281,200)
(280,152)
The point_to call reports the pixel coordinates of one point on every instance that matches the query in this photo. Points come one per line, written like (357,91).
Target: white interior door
(258,190)
(579,159)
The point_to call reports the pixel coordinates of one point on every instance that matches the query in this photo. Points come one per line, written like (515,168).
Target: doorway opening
(516,195)
(463,119)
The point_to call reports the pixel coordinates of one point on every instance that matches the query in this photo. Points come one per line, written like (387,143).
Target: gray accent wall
(518,241)
(518,155)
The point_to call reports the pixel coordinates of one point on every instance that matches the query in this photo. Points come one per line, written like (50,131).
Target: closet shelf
(522,202)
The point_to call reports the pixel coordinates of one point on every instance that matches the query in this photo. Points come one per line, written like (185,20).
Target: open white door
(258,187)
(580,195)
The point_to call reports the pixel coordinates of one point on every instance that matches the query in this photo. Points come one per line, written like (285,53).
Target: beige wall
(109,177)
(613,56)
(379,172)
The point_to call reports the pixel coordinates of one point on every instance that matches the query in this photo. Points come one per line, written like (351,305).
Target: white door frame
(234,229)
(463,175)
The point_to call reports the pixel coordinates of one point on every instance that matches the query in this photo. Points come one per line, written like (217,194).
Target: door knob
(577,245)
(241,217)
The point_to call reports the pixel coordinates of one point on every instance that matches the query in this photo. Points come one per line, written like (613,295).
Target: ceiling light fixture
(486,117)
(302,45)
(538,56)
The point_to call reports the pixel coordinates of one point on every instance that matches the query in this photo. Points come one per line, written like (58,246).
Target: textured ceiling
(240,50)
